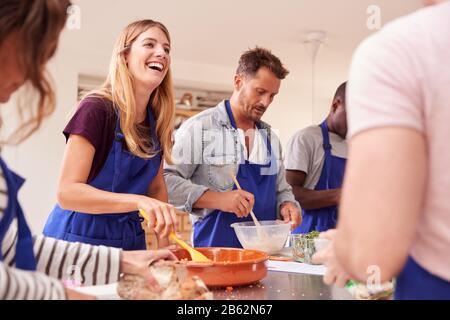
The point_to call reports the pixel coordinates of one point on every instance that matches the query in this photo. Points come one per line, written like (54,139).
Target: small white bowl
(270,237)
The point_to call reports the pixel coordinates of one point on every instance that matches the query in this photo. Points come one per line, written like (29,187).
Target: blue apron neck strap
(233,124)
(258,126)
(150,116)
(117,147)
(152,122)
(327,150)
(230,114)
(118,135)
(326,137)
(118,143)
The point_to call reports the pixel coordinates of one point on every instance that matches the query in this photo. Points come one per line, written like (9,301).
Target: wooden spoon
(251,211)
(195,255)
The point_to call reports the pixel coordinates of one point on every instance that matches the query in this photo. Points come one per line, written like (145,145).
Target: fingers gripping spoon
(195,255)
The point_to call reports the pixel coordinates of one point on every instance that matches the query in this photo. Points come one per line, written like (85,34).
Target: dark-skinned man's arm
(311,199)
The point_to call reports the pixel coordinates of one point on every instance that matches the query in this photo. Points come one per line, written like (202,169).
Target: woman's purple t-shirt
(95,120)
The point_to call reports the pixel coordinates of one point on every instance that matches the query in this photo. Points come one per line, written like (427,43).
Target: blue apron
(331,177)
(416,283)
(214,230)
(24,258)
(122,172)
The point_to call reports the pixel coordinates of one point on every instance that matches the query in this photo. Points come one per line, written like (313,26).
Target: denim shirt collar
(221,116)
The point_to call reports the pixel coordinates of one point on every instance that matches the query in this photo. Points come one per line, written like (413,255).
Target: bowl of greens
(303,247)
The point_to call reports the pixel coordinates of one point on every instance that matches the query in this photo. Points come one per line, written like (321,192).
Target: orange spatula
(195,255)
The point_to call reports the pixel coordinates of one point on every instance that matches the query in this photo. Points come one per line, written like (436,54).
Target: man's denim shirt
(207,148)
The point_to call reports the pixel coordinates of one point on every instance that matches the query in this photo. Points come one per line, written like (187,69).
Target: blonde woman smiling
(32,267)
(116,141)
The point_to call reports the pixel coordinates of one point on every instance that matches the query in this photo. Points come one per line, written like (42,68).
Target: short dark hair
(254,59)
(340,92)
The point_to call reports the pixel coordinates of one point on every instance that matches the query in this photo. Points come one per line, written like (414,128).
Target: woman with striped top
(33,267)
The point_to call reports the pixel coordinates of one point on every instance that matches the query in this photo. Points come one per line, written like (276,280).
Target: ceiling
(208,36)
(217,32)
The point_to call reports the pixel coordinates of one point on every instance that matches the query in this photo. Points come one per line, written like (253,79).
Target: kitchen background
(207,39)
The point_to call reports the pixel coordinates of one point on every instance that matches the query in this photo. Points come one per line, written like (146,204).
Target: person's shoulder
(96,104)
(93,115)
(203,119)
(430,18)
(203,115)
(308,133)
(96,108)
(396,35)
(305,137)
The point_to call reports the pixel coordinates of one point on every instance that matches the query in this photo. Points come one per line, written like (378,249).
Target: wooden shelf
(186,113)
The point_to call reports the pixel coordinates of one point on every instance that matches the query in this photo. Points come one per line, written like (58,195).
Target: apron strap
(264,133)
(119,139)
(24,258)
(153,133)
(233,124)
(230,114)
(118,146)
(327,150)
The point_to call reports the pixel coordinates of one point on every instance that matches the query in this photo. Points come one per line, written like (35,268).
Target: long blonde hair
(118,88)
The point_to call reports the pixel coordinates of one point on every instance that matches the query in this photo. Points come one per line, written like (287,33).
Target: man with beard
(231,140)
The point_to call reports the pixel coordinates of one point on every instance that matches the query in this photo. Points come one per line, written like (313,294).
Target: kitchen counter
(275,286)
(284,286)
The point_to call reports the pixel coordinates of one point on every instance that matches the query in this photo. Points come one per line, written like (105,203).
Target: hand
(138,262)
(75,295)
(239,202)
(290,212)
(335,274)
(171,247)
(162,215)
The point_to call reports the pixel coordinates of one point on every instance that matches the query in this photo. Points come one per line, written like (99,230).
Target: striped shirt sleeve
(57,261)
(19,284)
(74,261)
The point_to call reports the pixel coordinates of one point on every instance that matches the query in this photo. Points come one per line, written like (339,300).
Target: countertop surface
(275,286)
(284,286)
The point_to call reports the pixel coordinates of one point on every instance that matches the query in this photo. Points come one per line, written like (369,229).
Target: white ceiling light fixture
(313,42)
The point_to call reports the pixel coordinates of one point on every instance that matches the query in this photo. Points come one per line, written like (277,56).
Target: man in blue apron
(315,164)
(227,140)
